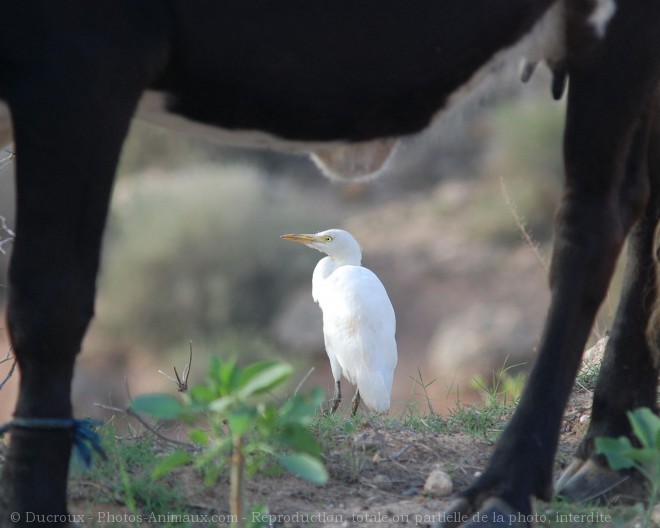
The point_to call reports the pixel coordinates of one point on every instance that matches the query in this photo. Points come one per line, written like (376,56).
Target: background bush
(198,255)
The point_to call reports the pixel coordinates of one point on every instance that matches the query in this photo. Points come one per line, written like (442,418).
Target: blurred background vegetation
(192,252)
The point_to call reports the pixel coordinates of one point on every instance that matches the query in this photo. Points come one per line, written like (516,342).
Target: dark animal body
(72,74)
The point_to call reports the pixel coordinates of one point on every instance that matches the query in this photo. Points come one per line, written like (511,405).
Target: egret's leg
(355,403)
(336,399)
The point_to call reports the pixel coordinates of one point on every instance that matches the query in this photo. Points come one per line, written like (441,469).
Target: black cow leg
(71,108)
(602,200)
(628,377)
(66,150)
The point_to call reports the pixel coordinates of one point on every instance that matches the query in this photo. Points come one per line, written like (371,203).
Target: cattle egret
(358,319)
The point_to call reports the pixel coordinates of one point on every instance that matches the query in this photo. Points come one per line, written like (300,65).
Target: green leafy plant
(622,454)
(242,425)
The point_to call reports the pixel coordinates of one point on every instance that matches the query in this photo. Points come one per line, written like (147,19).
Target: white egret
(358,319)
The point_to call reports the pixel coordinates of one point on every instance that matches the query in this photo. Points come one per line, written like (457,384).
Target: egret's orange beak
(303,239)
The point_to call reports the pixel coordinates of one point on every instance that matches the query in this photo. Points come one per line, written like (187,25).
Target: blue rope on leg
(86,440)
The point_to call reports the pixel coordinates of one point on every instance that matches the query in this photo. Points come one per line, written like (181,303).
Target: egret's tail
(374,390)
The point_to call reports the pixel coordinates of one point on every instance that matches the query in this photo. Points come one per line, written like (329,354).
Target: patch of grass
(123,487)
(587,376)
(500,397)
(336,435)
(482,422)
(487,420)
(431,423)
(418,418)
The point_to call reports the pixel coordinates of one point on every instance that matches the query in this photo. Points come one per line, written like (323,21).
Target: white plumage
(358,318)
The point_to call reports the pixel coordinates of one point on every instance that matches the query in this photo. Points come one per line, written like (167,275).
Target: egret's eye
(327,238)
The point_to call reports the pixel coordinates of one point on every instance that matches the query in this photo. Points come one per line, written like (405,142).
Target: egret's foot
(493,513)
(587,480)
(355,403)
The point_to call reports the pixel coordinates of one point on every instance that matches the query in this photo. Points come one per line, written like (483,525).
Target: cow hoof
(494,513)
(587,480)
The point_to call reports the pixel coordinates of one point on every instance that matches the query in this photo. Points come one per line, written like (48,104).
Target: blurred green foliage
(196,255)
(525,162)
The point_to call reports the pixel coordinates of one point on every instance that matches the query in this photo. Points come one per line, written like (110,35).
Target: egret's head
(336,243)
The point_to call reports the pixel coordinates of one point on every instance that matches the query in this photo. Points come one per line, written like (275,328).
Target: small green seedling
(621,454)
(241,422)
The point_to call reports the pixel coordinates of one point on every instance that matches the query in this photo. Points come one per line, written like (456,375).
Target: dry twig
(8,357)
(130,412)
(4,228)
(181,385)
(302,381)
(522,226)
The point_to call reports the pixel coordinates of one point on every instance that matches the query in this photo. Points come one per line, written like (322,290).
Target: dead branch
(130,412)
(181,385)
(302,381)
(8,357)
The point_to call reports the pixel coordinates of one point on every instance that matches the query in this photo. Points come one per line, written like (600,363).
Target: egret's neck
(330,263)
(324,269)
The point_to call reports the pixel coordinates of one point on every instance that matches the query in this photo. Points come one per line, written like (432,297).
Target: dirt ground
(377,478)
